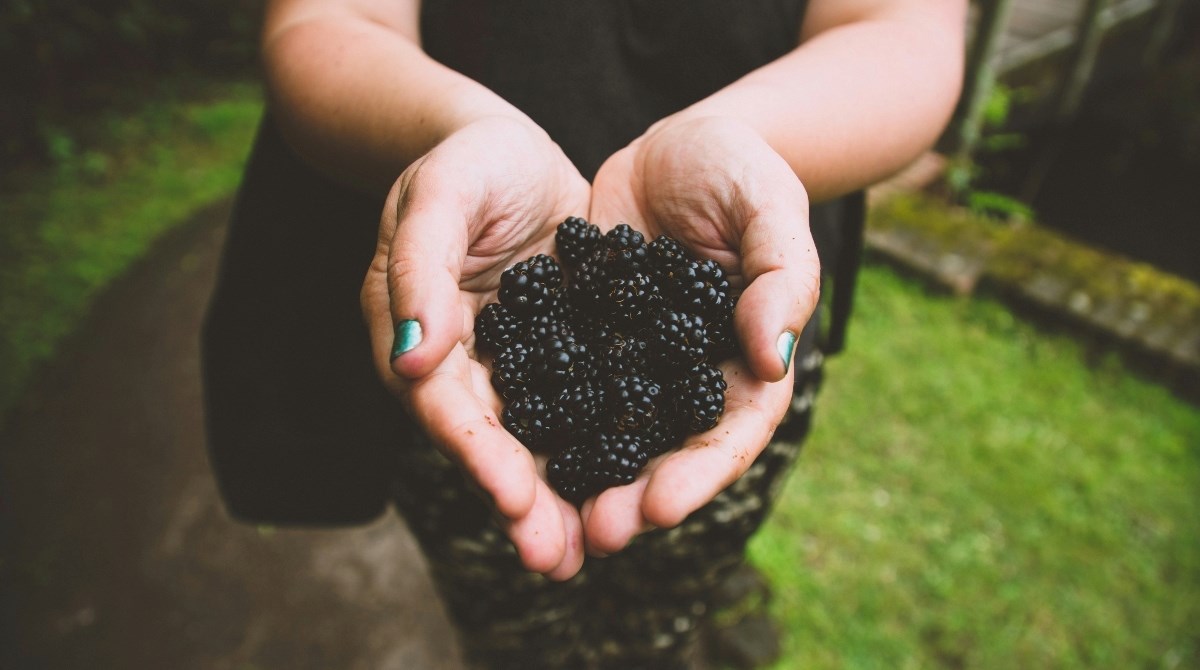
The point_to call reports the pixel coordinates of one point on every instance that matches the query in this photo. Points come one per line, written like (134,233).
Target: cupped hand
(487,196)
(717,187)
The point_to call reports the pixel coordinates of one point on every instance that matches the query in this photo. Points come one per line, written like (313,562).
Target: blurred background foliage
(62,56)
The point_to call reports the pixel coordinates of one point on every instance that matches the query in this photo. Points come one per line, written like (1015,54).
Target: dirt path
(115,551)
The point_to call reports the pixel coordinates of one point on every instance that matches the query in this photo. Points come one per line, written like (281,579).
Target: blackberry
(699,398)
(527,417)
(625,249)
(583,404)
(587,468)
(700,287)
(633,401)
(557,361)
(678,338)
(510,370)
(722,338)
(617,458)
(496,327)
(631,298)
(577,240)
(531,286)
(663,435)
(536,329)
(619,354)
(586,291)
(667,254)
(569,473)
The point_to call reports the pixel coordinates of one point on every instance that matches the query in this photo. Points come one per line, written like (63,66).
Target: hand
(717,187)
(487,196)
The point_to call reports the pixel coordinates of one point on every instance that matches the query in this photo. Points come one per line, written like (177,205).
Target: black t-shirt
(299,428)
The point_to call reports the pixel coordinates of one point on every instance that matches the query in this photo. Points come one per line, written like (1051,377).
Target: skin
(480,186)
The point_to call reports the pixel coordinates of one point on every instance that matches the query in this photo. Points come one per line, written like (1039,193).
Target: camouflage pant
(639,608)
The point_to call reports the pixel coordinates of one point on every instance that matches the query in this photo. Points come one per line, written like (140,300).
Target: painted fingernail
(786,345)
(408,336)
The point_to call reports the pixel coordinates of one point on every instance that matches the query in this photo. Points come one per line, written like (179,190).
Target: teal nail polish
(786,345)
(408,336)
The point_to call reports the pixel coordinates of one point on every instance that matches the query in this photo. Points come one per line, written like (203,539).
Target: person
(475,128)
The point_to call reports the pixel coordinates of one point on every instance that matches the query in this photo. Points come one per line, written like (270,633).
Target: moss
(1017,253)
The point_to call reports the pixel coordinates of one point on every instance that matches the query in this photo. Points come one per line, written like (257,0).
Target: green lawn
(119,179)
(977,495)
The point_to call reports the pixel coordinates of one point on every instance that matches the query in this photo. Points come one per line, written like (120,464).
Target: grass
(977,494)
(118,180)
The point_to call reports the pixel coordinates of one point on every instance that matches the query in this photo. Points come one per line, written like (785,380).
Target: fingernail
(408,336)
(786,345)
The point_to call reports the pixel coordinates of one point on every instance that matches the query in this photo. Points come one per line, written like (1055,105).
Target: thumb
(424,266)
(783,274)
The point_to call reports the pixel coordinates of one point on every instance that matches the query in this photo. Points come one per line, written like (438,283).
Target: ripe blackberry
(577,240)
(663,435)
(536,329)
(586,291)
(570,475)
(496,327)
(527,416)
(617,458)
(722,338)
(621,353)
(558,360)
(631,298)
(633,402)
(531,286)
(583,403)
(678,338)
(700,287)
(625,249)
(699,397)
(510,370)
(587,468)
(666,254)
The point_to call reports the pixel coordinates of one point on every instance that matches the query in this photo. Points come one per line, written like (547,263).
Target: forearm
(856,101)
(356,96)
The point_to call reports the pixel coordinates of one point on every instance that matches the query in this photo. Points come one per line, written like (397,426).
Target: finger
(424,264)
(616,518)
(783,281)
(540,536)
(709,462)
(573,555)
(470,432)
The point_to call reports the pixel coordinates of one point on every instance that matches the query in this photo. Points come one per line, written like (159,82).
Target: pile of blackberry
(617,365)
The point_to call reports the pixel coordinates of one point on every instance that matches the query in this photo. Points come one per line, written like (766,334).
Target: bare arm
(869,88)
(354,93)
